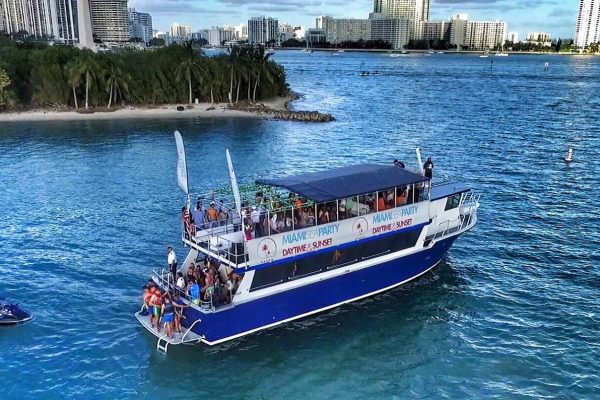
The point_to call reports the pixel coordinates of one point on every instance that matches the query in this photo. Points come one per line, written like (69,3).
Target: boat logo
(360,227)
(267,248)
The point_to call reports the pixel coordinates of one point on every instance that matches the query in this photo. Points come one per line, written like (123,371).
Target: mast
(234,184)
(182,172)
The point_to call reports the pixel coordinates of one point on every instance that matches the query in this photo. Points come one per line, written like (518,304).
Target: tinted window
(271,276)
(452,202)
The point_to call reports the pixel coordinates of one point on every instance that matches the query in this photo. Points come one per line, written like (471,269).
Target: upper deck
(293,215)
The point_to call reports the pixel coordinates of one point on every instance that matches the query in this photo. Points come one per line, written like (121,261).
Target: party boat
(348,233)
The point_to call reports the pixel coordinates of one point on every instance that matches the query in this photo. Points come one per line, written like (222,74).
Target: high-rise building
(217,35)
(140,25)
(542,38)
(110,20)
(588,23)
(67,21)
(339,30)
(181,31)
(286,31)
(453,31)
(36,17)
(84,22)
(241,31)
(395,31)
(513,37)
(416,11)
(263,30)
(482,35)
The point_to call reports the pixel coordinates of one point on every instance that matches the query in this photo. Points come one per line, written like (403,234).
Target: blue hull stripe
(279,307)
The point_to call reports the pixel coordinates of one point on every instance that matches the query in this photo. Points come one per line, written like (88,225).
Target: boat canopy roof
(344,182)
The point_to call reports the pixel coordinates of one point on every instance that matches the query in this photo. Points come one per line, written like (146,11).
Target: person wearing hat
(428,167)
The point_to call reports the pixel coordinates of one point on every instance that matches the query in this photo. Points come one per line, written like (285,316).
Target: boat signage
(288,244)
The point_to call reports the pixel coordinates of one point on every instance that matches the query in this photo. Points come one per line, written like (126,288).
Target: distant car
(180,108)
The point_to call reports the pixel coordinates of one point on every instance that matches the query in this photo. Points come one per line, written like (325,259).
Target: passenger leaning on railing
(199,216)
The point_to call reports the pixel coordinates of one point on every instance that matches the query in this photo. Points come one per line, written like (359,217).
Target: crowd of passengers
(269,216)
(204,283)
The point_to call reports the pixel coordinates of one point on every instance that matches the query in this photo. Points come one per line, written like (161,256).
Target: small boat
(569,157)
(12,314)
(440,52)
(394,55)
(364,73)
(501,55)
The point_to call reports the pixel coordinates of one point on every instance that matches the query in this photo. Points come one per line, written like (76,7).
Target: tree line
(36,75)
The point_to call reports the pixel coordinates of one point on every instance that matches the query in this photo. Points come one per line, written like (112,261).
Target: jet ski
(12,314)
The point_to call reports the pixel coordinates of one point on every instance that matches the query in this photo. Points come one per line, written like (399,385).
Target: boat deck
(187,336)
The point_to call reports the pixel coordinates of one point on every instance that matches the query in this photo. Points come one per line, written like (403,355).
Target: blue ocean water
(88,208)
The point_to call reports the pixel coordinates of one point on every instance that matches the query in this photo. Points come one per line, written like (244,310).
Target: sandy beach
(202,110)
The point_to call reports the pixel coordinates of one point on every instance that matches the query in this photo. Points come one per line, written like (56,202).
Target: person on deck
(199,216)
(180,283)
(167,312)
(194,292)
(179,305)
(155,303)
(212,215)
(428,167)
(146,301)
(255,217)
(172,262)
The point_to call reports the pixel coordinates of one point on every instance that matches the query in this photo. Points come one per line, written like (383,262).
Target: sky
(558,17)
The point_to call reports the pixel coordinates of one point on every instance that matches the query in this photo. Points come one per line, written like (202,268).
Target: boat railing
(469,204)
(224,242)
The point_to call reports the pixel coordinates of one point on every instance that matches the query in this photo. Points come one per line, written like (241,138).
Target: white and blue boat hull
(288,305)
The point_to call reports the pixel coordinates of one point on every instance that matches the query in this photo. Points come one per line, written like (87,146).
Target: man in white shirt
(255,217)
(172,261)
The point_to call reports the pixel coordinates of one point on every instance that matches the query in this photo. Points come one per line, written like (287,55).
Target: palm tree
(190,68)
(237,71)
(263,67)
(4,83)
(88,67)
(116,81)
(74,80)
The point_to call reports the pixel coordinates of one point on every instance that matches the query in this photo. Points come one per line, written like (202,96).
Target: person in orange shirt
(380,202)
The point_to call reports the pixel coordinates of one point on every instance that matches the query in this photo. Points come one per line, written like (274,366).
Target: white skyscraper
(140,25)
(36,17)
(513,37)
(84,22)
(588,23)
(416,11)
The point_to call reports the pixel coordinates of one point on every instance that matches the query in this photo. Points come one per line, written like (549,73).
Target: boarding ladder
(165,339)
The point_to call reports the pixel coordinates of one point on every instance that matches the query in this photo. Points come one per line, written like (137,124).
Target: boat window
(452,202)
(377,247)
(351,206)
(367,203)
(311,265)
(267,277)
(325,213)
(405,240)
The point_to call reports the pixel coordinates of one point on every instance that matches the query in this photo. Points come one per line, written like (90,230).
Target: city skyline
(554,16)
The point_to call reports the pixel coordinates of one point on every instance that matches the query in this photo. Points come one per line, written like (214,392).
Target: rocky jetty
(288,115)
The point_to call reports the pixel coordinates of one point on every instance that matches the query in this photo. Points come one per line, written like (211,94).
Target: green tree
(89,68)
(74,80)
(189,68)
(4,84)
(115,80)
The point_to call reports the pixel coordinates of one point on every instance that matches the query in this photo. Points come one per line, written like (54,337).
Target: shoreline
(201,110)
